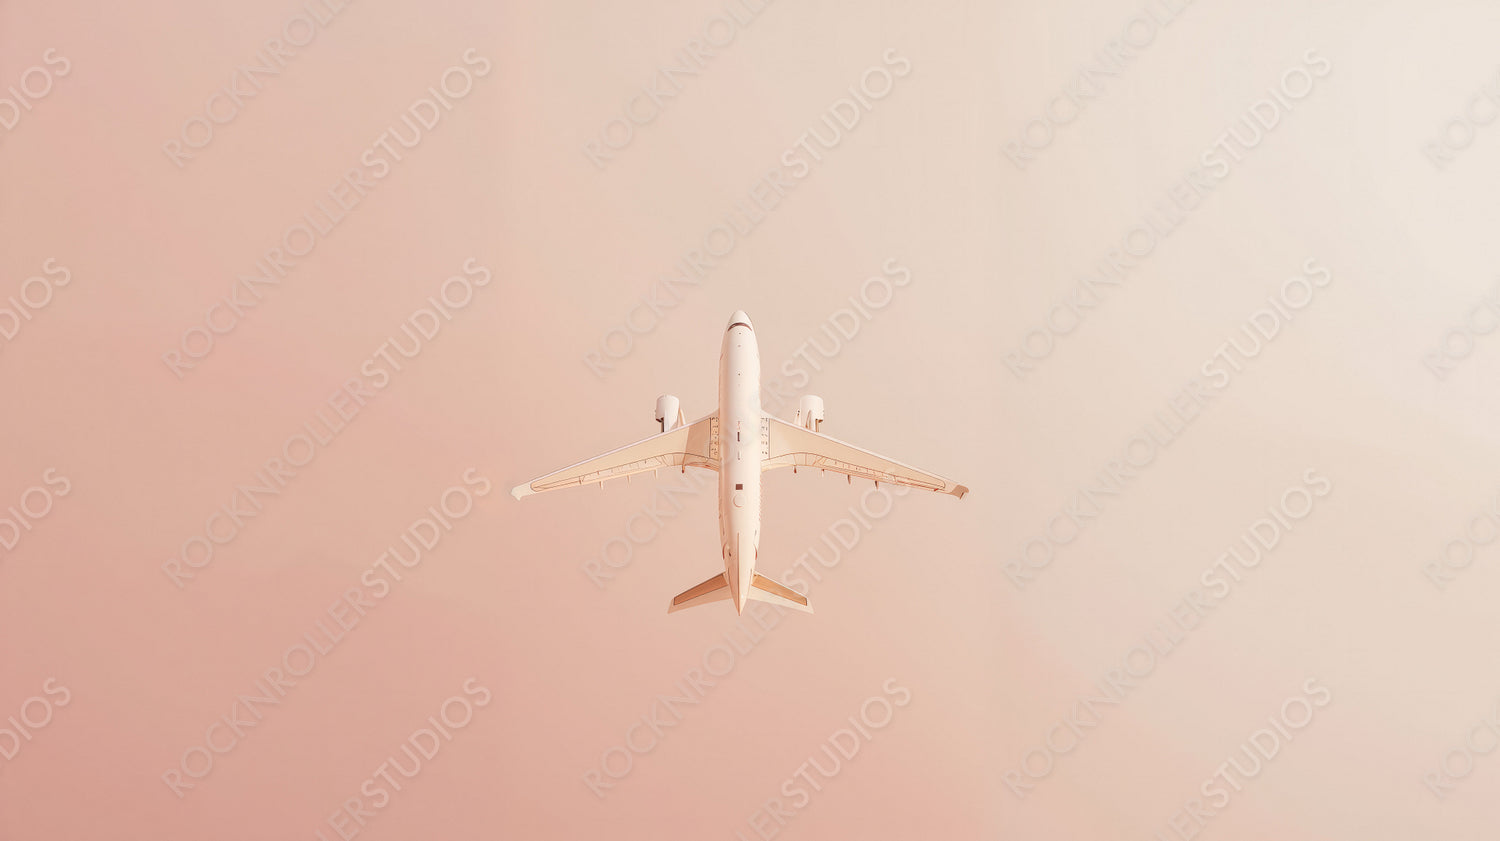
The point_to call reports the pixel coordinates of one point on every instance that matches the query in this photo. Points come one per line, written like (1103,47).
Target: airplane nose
(739,317)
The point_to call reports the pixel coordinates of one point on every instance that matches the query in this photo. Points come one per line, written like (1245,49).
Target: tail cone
(741,572)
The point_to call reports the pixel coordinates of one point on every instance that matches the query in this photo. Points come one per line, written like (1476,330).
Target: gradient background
(922,599)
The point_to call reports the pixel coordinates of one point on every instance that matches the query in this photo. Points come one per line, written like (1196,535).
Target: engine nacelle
(810,412)
(669,412)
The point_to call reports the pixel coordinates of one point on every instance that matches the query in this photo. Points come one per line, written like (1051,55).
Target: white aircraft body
(741,443)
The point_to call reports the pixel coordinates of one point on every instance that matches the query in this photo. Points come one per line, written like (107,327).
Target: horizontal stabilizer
(763,589)
(715,589)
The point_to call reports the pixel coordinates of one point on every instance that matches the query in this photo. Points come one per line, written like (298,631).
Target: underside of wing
(693,445)
(788,444)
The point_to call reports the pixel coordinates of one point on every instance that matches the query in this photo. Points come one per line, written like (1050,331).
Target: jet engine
(669,412)
(810,412)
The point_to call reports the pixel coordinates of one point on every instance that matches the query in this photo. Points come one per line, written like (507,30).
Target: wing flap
(789,444)
(694,445)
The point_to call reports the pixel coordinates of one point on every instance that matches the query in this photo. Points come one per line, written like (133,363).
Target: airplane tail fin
(763,589)
(715,589)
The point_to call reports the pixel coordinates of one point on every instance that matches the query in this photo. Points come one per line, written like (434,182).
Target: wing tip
(521,490)
(959,490)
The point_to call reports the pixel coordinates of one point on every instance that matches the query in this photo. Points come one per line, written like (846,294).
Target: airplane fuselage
(740,455)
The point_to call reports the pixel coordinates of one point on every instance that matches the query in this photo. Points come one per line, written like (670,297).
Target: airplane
(740,443)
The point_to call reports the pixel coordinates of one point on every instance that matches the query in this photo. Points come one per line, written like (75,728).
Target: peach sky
(540,252)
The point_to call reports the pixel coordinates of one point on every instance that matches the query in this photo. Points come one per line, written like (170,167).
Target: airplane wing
(693,445)
(790,444)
